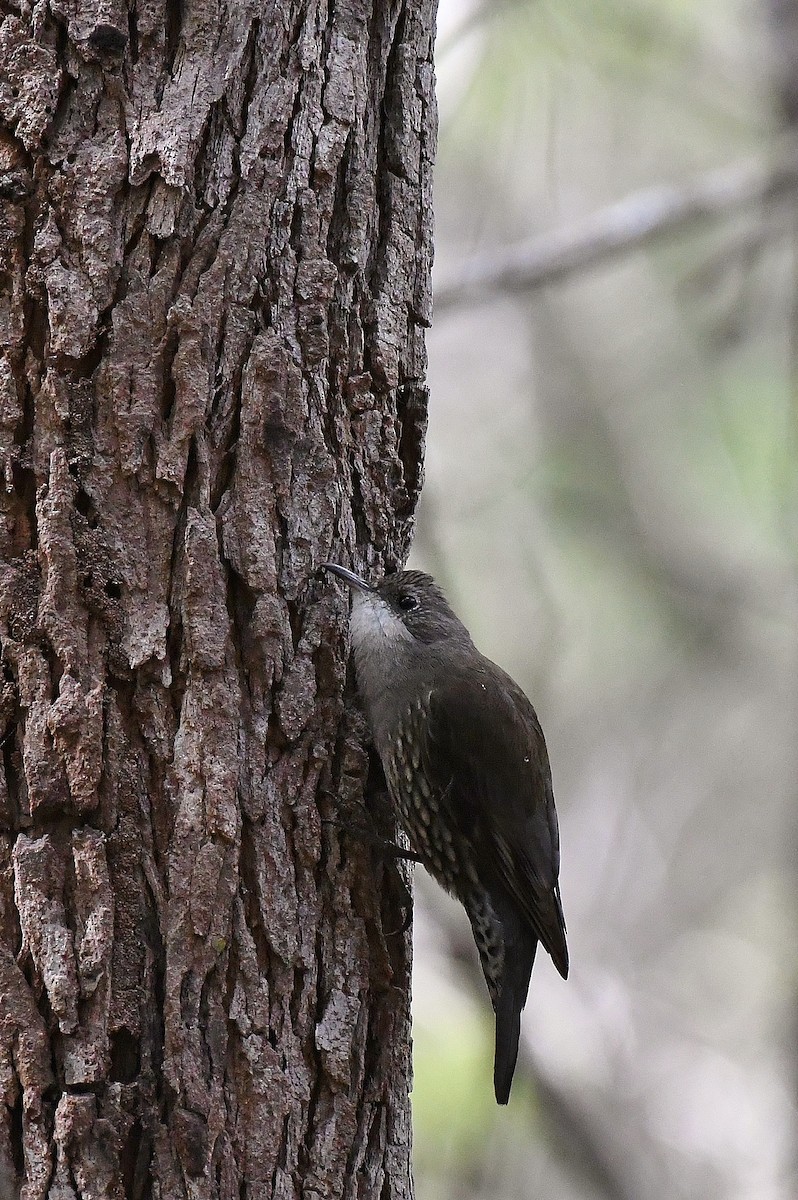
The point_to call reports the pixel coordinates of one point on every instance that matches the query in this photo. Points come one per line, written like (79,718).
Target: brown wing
(485,755)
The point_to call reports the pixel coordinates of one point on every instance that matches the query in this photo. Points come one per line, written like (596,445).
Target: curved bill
(348,577)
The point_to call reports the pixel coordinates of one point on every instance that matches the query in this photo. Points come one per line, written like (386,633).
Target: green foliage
(456,1122)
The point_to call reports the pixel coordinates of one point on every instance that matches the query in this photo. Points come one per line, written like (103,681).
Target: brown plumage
(467,768)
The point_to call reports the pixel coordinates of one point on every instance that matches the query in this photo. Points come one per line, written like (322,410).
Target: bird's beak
(349,577)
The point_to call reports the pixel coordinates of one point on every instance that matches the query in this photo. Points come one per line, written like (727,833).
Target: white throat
(373,624)
(382,645)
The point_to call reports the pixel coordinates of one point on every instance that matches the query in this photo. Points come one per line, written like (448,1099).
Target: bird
(467,769)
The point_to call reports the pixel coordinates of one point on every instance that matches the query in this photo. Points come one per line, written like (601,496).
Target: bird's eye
(407,602)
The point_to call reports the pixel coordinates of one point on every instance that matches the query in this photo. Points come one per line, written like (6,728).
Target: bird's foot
(389,849)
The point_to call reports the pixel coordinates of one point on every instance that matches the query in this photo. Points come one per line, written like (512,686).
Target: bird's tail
(506,948)
(511,998)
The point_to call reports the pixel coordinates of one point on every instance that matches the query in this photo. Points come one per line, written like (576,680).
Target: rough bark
(215,244)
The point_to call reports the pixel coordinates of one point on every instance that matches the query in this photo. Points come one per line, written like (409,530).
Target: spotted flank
(418,804)
(489,937)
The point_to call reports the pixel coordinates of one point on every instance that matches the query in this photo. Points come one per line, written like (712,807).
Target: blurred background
(611,505)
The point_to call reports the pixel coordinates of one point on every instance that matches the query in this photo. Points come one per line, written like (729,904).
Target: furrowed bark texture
(215,244)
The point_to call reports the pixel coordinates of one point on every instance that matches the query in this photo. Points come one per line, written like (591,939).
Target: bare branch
(635,221)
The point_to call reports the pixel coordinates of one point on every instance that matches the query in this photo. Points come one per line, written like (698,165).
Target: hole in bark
(296,217)
(11,766)
(125,1061)
(129,1156)
(24,482)
(133,36)
(113,590)
(168,389)
(275,738)
(85,506)
(223,479)
(108,39)
(88,580)
(338,233)
(241,601)
(174,21)
(174,649)
(135,1162)
(56,669)
(15,1134)
(83,367)
(82,1089)
(411,404)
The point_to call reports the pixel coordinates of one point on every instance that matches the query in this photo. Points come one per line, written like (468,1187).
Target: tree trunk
(214,284)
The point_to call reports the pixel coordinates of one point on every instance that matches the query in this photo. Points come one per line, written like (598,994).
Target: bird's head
(404,609)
